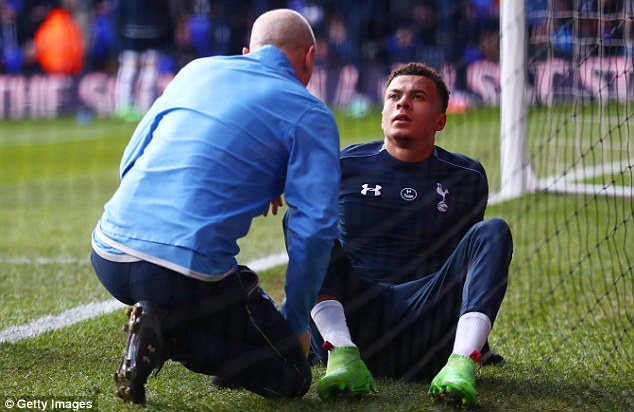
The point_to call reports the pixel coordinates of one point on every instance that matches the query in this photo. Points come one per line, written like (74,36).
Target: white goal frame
(517,174)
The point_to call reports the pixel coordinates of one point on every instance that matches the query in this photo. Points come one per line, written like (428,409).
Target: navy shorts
(407,330)
(230,328)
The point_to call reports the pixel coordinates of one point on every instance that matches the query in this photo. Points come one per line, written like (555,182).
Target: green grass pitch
(55,177)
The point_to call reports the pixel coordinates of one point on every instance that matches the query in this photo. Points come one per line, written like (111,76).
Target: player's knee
(498,231)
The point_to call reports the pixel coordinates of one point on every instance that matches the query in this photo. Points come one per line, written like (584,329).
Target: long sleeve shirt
(400,221)
(229,135)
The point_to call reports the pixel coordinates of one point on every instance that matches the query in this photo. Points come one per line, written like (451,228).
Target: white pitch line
(268,262)
(23,260)
(53,322)
(77,314)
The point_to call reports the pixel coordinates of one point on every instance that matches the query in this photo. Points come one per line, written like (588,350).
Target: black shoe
(490,358)
(224,383)
(144,352)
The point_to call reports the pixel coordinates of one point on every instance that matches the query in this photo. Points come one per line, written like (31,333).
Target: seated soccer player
(417,276)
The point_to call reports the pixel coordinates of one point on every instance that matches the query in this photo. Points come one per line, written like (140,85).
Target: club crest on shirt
(408,194)
(365,188)
(442,205)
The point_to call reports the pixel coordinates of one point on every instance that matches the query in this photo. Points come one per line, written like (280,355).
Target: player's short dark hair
(421,69)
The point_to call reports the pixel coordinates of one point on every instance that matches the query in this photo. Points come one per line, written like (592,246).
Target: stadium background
(359,41)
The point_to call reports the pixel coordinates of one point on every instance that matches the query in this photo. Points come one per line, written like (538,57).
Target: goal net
(567,83)
(575,137)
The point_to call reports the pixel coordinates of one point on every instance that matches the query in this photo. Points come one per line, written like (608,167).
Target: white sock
(472,332)
(331,323)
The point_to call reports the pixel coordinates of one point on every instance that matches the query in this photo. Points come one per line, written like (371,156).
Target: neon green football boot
(456,381)
(346,375)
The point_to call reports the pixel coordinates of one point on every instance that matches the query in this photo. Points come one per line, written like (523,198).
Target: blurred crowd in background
(579,27)
(79,36)
(349,31)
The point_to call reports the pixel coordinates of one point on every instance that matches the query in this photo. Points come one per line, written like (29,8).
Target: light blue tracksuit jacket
(228,135)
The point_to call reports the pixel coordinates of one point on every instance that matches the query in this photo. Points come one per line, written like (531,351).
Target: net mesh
(575,260)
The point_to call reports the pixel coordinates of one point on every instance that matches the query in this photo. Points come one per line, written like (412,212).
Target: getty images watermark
(50,404)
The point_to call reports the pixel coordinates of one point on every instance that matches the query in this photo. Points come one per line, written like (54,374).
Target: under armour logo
(366,189)
(442,205)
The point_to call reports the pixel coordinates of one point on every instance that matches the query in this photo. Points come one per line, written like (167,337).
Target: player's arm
(481,194)
(311,194)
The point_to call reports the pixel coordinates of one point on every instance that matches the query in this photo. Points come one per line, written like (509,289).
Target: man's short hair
(421,69)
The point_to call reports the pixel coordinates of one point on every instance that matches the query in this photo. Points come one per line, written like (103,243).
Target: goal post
(596,72)
(517,177)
